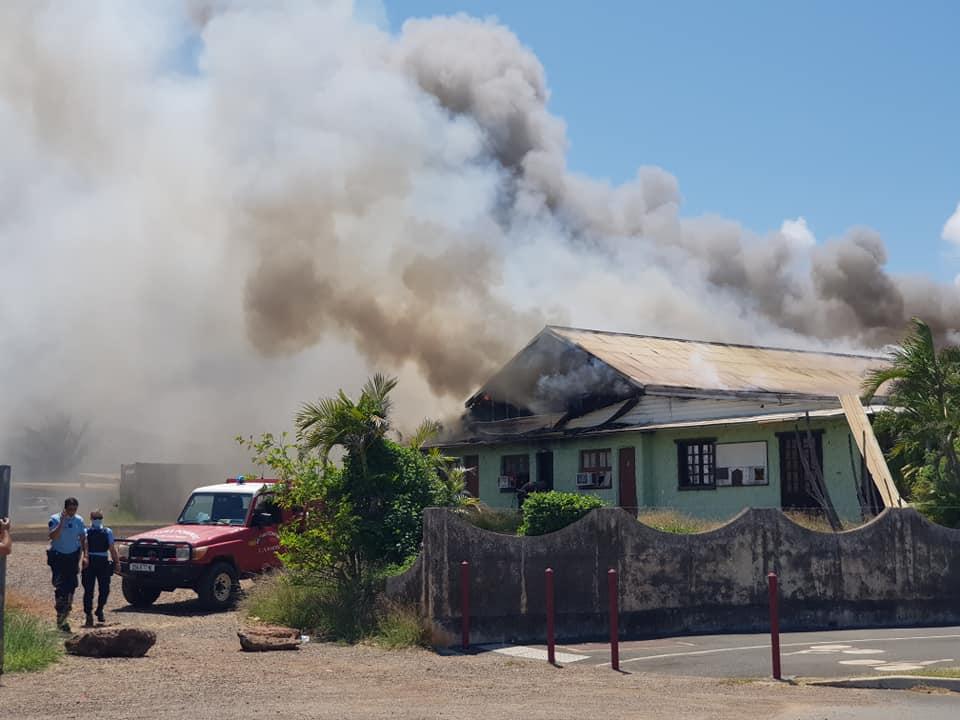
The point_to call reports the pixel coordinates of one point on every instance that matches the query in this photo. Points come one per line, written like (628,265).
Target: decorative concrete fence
(898,569)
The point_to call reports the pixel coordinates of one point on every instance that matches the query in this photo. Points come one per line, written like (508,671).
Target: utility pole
(4,512)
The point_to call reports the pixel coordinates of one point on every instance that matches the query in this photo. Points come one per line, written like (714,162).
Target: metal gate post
(4,512)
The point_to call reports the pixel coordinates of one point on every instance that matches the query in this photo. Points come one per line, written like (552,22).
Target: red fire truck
(224,533)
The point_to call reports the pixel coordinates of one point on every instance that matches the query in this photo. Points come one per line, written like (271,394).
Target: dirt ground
(197,668)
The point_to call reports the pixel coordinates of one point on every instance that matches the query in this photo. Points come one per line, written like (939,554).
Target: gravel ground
(197,667)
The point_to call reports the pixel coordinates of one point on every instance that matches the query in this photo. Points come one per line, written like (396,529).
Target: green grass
(400,627)
(281,601)
(29,642)
(672,521)
(315,607)
(504,522)
(323,612)
(940,672)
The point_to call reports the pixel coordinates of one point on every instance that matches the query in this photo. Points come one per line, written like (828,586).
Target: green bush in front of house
(546,512)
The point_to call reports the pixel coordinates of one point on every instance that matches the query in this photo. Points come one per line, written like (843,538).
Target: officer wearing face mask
(104,561)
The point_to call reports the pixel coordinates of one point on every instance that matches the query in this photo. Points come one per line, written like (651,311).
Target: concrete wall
(656,463)
(897,570)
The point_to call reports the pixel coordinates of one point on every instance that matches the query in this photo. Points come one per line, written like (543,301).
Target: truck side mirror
(263,519)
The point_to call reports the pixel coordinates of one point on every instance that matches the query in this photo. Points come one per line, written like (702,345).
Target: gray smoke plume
(212,211)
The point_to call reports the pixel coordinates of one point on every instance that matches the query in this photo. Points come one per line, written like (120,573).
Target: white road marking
(531,653)
(873,663)
(894,665)
(766,646)
(863,651)
(828,648)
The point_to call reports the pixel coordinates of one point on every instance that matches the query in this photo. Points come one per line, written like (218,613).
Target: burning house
(706,428)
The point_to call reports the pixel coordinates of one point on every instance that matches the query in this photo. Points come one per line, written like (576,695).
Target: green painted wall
(656,463)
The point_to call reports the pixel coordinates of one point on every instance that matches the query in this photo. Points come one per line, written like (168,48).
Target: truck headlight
(199,552)
(123,550)
(183,553)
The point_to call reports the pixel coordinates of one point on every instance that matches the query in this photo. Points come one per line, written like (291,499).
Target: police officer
(68,550)
(104,561)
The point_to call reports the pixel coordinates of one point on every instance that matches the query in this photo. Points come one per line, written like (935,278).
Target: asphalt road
(840,653)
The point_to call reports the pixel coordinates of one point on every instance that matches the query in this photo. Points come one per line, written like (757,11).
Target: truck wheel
(216,587)
(137,594)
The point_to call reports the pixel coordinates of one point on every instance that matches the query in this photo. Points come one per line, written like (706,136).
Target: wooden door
(628,478)
(545,470)
(471,466)
(794,484)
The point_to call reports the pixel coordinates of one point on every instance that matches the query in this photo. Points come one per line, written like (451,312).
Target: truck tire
(217,586)
(138,594)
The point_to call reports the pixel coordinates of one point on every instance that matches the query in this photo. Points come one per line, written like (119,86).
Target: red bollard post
(551,645)
(774,625)
(465,604)
(614,619)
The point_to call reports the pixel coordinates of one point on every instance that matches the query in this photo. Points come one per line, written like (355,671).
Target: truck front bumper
(165,575)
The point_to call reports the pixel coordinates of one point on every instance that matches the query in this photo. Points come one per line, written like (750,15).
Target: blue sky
(846,113)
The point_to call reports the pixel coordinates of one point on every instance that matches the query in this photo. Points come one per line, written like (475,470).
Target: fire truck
(225,532)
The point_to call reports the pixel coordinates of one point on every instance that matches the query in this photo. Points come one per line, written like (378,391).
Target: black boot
(99,614)
(63,612)
(89,621)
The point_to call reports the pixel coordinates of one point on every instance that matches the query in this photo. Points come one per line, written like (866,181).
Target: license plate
(143,567)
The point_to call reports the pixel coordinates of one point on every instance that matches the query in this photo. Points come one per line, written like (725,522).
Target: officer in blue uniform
(68,550)
(104,561)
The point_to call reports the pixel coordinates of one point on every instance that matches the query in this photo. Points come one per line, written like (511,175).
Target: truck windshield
(215,509)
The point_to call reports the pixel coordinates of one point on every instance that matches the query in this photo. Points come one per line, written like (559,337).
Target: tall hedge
(546,512)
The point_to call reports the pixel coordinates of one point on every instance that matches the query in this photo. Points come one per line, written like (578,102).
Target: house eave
(613,429)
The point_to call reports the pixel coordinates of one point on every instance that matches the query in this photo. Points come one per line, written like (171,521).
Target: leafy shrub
(358,521)
(29,642)
(388,489)
(549,511)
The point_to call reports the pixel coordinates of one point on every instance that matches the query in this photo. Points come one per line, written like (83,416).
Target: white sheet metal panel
(744,453)
(653,409)
(769,418)
(666,362)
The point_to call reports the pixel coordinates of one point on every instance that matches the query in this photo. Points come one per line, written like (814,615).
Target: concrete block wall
(899,569)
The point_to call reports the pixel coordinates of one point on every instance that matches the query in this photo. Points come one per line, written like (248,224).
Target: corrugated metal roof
(765,419)
(656,362)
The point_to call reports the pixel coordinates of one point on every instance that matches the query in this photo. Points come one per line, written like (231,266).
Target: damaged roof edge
(548,331)
(553,434)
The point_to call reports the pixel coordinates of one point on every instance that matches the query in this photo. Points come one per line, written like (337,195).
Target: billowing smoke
(951,229)
(210,212)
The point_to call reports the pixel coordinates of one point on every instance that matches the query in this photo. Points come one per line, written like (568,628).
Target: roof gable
(665,364)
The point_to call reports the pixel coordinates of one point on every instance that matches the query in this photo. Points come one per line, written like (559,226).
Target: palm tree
(451,474)
(53,449)
(339,421)
(924,387)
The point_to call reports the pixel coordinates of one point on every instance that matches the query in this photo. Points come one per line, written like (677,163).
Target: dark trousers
(98,572)
(64,568)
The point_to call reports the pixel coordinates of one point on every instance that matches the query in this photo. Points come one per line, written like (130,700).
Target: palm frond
(426,431)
